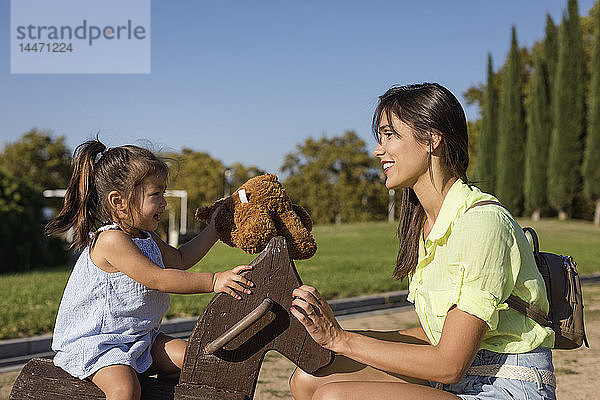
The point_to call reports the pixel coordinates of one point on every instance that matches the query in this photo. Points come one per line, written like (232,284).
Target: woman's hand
(231,282)
(309,307)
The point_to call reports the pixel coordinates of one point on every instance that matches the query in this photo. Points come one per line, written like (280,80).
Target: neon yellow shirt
(476,261)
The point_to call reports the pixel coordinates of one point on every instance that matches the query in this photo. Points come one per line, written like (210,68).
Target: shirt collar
(458,198)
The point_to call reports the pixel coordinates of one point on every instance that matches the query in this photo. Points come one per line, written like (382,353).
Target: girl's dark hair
(98,170)
(426,107)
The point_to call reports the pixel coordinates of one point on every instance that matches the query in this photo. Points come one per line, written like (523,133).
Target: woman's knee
(302,385)
(331,391)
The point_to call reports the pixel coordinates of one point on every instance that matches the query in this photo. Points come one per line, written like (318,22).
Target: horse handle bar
(240,327)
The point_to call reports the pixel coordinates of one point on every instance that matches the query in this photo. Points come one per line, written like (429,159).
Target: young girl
(107,324)
(462,264)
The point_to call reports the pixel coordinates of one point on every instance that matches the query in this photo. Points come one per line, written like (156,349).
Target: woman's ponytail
(80,209)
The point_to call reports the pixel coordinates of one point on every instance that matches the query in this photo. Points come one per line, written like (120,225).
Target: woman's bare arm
(417,332)
(446,362)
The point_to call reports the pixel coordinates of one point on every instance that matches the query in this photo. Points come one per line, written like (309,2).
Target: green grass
(352,260)
(29,302)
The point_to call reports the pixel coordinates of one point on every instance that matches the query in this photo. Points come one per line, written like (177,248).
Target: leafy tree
(40,159)
(488,136)
(568,131)
(475,95)
(538,140)
(200,175)
(43,161)
(241,173)
(336,180)
(20,224)
(511,134)
(591,170)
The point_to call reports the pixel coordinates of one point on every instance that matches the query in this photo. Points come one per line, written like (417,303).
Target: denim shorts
(473,387)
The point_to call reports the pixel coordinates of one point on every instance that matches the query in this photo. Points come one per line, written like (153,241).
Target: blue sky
(248,80)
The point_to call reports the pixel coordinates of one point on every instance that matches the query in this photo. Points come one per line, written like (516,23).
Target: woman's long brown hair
(426,107)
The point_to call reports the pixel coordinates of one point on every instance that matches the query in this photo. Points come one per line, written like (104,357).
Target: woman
(462,267)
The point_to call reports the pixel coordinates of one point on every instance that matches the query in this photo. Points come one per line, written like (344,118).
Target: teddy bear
(258,211)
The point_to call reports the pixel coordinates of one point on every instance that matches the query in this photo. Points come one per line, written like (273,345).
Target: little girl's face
(151,203)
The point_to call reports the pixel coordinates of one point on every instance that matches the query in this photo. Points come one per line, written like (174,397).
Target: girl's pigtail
(80,209)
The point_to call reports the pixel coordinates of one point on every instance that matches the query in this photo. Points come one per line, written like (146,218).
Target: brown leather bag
(564,295)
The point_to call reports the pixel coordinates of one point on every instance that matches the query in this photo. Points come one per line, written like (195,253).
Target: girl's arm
(446,363)
(188,254)
(115,251)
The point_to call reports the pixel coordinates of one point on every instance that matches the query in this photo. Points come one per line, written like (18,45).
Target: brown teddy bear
(258,211)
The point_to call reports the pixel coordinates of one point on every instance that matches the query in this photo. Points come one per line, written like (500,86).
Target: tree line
(336,179)
(539,136)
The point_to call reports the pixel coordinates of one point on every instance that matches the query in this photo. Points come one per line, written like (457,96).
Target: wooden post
(235,367)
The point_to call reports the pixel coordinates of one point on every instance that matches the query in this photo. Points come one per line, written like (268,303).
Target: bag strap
(485,203)
(529,310)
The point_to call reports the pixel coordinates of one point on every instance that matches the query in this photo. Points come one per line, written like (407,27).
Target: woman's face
(404,159)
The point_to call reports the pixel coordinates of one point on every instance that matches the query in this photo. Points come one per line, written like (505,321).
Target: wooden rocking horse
(226,348)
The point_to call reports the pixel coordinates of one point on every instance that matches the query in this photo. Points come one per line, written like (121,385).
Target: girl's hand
(309,307)
(231,282)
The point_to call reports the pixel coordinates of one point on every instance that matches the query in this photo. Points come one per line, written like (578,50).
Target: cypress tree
(568,127)
(538,140)
(550,49)
(550,52)
(486,149)
(591,160)
(511,135)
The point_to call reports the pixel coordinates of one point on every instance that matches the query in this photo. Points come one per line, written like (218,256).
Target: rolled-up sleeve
(480,267)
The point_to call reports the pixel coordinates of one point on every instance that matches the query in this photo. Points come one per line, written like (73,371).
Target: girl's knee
(118,382)
(302,385)
(124,391)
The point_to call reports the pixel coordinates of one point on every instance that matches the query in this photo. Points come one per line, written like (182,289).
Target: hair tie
(99,155)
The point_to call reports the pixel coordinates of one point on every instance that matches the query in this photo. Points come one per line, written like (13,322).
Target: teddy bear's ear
(301,243)
(304,216)
(225,226)
(204,214)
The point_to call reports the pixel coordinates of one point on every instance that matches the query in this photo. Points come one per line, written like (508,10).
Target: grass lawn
(352,260)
